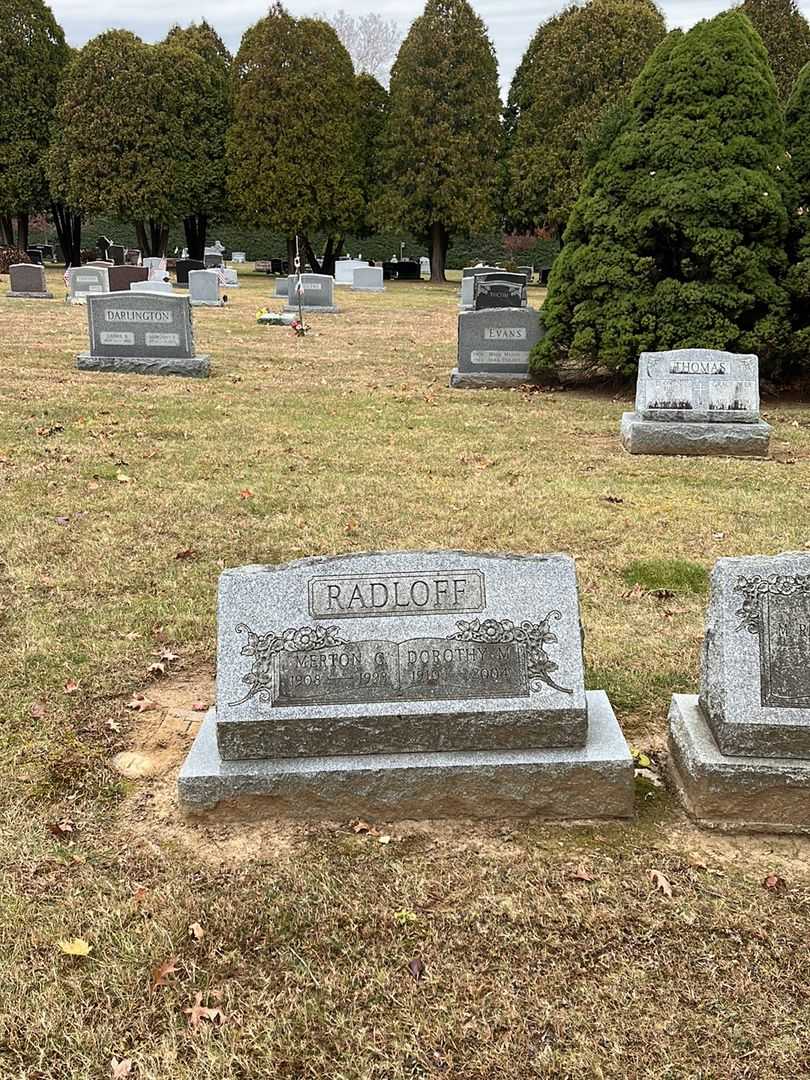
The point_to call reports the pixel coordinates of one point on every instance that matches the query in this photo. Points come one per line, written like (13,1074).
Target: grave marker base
(195,367)
(488,380)
(208,303)
(29,295)
(574,784)
(312,309)
(640,436)
(733,794)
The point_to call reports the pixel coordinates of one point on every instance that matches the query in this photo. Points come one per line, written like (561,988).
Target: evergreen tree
(677,239)
(578,66)
(294,143)
(443,134)
(372,105)
(797,140)
(32,55)
(786,35)
(202,38)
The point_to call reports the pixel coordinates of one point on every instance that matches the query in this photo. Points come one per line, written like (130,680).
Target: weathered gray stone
(402,651)
(494,347)
(698,386)
(203,288)
(84,281)
(368,279)
(319,293)
(755,681)
(768,794)
(591,782)
(146,333)
(163,287)
(27,282)
(282,285)
(672,437)
(345,268)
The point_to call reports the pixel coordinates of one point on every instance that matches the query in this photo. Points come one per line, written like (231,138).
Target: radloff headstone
(143,334)
(740,751)
(696,402)
(319,294)
(84,281)
(494,347)
(27,282)
(407,684)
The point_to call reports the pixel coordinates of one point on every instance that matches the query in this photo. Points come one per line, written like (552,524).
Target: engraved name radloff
(402,652)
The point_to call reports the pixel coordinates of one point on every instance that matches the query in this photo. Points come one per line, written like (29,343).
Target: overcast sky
(511,23)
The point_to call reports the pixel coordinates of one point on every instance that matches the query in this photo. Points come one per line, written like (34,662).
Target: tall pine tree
(677,239)
(785,34)
(797,140)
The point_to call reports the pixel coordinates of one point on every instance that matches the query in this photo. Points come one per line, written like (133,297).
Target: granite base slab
(29,295)
(312,310)
(596,781)
(733,794)
(488,380)
(671,437)
(195,367)
(356,288)
(208,303)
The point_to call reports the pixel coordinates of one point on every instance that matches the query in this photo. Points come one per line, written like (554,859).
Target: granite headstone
(89,280)
(494,347)
(203,288)
(121,277)
(117,253)
(184,267)
(27,282)
(318,294)
(368,279)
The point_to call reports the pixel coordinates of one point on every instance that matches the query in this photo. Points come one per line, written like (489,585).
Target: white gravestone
(203,288)
(164,287)
(318,296)
(368,279)
(84,281)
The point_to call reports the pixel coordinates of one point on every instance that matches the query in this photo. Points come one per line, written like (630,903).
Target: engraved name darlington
(439,592)
(118,315)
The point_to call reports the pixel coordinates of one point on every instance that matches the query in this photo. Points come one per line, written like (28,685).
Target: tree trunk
(291,254)
(310,254)
(7,230)
(158,238)
(439,240)
(22,231)
(69,231)
(195,227)
(140,236)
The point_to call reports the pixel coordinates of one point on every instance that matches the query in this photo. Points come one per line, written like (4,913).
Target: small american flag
(67,277)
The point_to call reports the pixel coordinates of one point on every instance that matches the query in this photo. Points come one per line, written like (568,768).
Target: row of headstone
(345,268)
(40,253)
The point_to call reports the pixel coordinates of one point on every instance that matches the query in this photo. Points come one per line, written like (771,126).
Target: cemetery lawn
(387,951)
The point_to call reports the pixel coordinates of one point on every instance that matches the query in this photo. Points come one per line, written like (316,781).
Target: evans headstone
(84,281)
(203,288)
(318,294)
(121,277)
(184,267)
(740,751)
(368,279)
(407,685)
(27,282)
(698,402)
(142,333)
(494,347)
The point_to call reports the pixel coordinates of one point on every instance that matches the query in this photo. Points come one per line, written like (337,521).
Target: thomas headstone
(27,282)
(740,751)
(89,280)
(203,288)
(468,275)
(407,684)
(697,402)
(143,334)
(368,279)
(184,267)
(494,347)
(121,277)
(318,294)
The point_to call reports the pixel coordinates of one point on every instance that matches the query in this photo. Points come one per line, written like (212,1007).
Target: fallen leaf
(416,967)
(139,895)
(74,946)
(660,883)
(650,777)
(122,478)
(186,553)
(168,657)
(196,931)
(360,826)
(158,668)
(613,499)
(199,706)
(161,974)
(774,881)
(62,520)
(37,710)
(640,758)
(61,828)
(71,687)
(246,493)
(113,726)
(582,874)
(140,703)
(120,1069)
(198,1012)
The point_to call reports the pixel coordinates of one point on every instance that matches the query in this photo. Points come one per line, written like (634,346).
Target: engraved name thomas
(440,592)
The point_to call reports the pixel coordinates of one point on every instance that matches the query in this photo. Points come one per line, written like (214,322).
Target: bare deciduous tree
(370,40)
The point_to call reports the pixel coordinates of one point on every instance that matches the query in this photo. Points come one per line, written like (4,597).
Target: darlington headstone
(84,281)
(409,684)
(142,333)
(740,752)
(203,288)
(699,402)
(494,347)
(318,294)
(121,277)
(27,282)
(368,279)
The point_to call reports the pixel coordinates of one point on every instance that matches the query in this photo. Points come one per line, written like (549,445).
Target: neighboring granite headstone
(494,347)
(740,752)
(132,257)
(407,685)
(184,267)
(156,267)
(468,275)
(281,286)
(117,253)
(35,255)
(528,272)
(499,290)
(231,277)
(141,333)
(239,257)
(121,277)
(27,282)
(345,268)
(163,287)
(318,294)
(203,288)
(368,279)
(697,402)
(212,260)
(89,280)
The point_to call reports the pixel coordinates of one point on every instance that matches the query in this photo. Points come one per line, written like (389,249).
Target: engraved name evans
(501,333)
(439,592)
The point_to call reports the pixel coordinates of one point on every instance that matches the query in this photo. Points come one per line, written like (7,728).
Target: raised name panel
(699,385)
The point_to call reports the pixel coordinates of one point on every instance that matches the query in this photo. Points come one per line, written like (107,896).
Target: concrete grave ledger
(27,281)
(142,333)
(740,750)
(494,347)
(698,402)
(422,684)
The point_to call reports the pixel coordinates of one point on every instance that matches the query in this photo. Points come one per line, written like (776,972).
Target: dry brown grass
(350,440)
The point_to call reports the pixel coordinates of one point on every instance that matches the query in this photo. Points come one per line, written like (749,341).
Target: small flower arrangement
(299,328)
(266,317)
